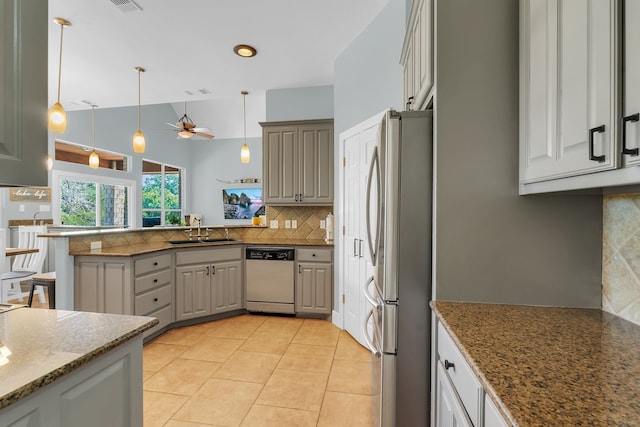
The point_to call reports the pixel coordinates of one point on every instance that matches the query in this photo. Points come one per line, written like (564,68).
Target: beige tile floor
(255,371)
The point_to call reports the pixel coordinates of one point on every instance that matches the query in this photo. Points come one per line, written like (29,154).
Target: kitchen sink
(187,242)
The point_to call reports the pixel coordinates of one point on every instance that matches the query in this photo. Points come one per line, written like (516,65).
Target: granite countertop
(48,344)
(149,247)
(546,366)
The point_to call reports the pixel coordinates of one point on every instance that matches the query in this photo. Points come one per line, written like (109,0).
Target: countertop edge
(35,385)
(504,411)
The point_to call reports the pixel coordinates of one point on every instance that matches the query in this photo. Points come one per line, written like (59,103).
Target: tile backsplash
(621,256)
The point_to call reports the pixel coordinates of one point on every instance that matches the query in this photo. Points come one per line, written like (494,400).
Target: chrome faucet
(35,215)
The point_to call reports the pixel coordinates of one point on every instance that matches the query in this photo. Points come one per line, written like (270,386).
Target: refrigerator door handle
(375,163)
(365,335)
(368,296)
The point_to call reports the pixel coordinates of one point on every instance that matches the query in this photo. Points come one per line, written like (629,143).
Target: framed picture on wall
(241,203)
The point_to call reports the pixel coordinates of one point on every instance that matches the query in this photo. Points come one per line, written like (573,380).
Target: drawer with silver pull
(152,300)
(458,370)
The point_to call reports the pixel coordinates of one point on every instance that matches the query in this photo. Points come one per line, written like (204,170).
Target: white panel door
(352,208)
(631,110)
(568,88)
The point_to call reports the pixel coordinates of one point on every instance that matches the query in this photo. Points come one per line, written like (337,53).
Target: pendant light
(94,159)
(139,141)
(57,117)
(245,154)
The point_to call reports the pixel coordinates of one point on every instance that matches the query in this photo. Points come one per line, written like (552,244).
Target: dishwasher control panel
(270,254)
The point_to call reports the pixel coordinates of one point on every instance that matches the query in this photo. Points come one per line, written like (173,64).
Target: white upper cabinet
(568,88)
(417,54)
(631,104)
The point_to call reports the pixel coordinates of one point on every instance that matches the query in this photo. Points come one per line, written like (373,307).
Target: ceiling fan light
(245,154)
(139,142)
(245,50)
(94,160)
(57,118)
(185,134)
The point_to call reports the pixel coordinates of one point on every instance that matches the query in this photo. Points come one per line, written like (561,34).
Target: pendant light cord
(139,70)
(60,61)
(93,125)
(244,108)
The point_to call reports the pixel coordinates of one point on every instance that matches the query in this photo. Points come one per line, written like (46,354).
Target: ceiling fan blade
(171,124)
(205,135)
(205,130)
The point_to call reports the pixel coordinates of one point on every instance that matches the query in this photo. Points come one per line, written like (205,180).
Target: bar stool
(47,280)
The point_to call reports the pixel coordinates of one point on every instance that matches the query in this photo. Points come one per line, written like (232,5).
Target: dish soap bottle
(329,227)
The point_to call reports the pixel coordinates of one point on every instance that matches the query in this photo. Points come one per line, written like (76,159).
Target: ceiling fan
(187,129)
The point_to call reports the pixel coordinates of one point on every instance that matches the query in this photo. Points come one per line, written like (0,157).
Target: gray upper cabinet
(23,90)
(298,162)
(417,54)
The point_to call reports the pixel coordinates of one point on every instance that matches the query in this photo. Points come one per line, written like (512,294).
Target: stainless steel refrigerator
(399,227)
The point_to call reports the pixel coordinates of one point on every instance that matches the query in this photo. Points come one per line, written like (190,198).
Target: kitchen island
(544,366)
(66,368)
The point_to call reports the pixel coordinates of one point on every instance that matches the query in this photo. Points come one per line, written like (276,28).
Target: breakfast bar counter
(57,356)
(546,366)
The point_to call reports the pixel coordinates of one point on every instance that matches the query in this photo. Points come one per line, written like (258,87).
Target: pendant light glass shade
(94,159)
(49,163)
(245,154)
(139,141)
(57,117)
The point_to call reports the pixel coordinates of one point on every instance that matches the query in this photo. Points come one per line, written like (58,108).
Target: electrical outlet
(294,223)
(96,245)
(273,223)
(21,208)
(287,223)
(323,223)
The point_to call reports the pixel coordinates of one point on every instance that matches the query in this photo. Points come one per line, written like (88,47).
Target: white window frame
(57,176)
(162,209)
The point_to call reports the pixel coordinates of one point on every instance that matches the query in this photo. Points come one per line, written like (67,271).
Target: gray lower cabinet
(142,285)
(208,281)
(23,90)
(108,391)
(314,280)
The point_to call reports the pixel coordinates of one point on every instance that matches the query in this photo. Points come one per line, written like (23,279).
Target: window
(161,194)
(87,200)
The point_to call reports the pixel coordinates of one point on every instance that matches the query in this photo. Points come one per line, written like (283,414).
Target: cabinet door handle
(155,264)
(207,270)
(355,248)
(213,269)
(300,269)
(155,299)
(360,249)
(296,197)
(448,364)
(300,199)
(631,118)
(155,280)
(592,131)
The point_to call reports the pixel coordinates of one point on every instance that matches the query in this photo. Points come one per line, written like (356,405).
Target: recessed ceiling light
(245,50)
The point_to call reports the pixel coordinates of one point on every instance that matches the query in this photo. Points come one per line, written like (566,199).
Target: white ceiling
(187,45)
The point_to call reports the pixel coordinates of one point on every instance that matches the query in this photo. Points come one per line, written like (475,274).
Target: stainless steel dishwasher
(269,274)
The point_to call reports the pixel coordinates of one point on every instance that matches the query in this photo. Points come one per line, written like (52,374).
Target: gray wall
(300,103)
(368,74)
(492,244)
(220,159)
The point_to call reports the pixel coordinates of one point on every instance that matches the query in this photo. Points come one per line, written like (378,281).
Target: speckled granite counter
(548,366)
(46,345)
(155,246)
